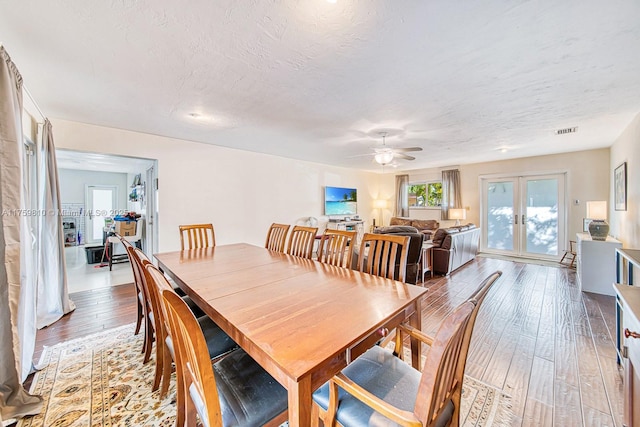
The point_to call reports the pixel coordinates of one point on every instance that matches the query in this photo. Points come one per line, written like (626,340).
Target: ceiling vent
(566,131)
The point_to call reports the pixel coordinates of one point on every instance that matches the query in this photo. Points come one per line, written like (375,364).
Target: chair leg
(573,260)
(159,366)
(148,340)
(166,372)
(139,318)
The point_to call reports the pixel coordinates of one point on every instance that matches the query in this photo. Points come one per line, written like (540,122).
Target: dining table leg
(415,320)
(300,402)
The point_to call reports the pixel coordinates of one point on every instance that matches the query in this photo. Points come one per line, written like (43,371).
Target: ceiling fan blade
(361,155)
(407,149)
(403,156)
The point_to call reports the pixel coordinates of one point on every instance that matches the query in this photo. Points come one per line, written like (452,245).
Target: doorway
(101,201)
(94,187)
(524,215)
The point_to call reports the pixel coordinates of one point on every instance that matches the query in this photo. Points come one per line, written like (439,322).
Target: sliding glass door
(524,215)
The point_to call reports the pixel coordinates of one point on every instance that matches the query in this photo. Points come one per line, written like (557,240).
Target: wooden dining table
(301,320)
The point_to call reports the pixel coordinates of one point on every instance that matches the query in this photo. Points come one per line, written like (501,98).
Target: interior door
(524,215)
(101,202)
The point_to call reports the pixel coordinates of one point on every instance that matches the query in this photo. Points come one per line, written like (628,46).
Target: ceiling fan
(385,155)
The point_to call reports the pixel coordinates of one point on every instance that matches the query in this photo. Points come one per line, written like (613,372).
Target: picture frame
(620,187)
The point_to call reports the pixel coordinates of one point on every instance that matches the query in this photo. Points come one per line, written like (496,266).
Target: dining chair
(139,297)
(144,302)
(384,255)
(380,389)
(336,247)
(301,241)
(276,237)
(218,342)
(197,236)
(231,392)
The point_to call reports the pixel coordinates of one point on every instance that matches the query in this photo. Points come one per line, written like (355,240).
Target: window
(427,195)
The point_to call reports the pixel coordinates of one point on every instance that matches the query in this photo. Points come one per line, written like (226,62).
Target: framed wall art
(620,187)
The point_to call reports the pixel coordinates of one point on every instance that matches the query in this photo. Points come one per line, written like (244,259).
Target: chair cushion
(387,377)
(218,342)
(249,396)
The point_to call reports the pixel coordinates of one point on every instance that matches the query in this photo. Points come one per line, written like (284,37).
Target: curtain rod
(33,101)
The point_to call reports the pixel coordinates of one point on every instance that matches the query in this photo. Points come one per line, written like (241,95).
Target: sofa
(453,247)
(424,226)
(414,252)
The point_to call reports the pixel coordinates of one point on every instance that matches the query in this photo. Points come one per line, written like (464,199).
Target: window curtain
(53,295)
(402,198)
(451,197)
(14,400)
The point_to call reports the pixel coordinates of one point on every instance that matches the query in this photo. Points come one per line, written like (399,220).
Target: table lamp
(598,227)
(457,214)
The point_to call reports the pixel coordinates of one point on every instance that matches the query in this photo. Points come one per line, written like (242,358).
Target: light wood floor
(537,337)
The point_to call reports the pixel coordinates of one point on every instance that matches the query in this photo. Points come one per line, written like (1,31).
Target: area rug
(100,381)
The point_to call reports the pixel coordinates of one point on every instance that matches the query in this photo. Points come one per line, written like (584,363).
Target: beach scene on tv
(340,201)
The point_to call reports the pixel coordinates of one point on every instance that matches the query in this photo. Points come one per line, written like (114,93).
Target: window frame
(426,184)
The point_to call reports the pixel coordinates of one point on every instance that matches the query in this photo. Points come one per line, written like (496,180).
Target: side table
(427,259)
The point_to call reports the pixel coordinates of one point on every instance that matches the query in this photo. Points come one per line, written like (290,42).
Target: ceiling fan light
(384,158)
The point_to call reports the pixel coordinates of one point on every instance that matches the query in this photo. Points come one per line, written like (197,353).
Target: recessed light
(195,116)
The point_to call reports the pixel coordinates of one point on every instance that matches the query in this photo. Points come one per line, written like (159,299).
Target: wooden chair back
(277,237)
(336,247)
(477,297)
(445,382)
(197,236)
(301,241)
(193,359)
(136,281)
(384,255)
(164,356)
(144,299)
(439,380)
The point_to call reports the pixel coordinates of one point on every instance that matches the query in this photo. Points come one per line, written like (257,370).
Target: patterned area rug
(100,381)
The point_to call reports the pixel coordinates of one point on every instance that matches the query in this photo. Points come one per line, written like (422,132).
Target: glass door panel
(542,216)
(500,210)
(101,203)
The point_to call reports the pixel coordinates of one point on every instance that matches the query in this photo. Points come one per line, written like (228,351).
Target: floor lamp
(380,204)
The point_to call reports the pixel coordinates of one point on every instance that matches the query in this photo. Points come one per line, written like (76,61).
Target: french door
(524,215)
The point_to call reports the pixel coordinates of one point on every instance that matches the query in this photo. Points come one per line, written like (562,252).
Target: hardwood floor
(537,337)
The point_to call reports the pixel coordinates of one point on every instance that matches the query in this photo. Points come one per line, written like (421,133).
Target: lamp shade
(457,213)
(379,204)
(597,210)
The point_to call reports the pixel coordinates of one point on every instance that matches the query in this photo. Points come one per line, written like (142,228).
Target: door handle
(522,218)
(515,219)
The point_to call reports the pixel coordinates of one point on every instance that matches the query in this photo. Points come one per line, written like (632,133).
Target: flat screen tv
(340,201)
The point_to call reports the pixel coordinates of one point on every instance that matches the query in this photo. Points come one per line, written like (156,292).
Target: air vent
(566,131)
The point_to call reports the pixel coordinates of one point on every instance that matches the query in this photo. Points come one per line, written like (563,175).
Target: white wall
(73,182)
(588,178)
(625,225)
(240,192)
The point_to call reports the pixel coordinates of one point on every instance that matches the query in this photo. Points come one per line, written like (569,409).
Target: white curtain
(53,295)
(402,198)
(14,400)
(451,197)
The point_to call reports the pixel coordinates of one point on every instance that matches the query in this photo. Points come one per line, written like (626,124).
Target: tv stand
(351,225)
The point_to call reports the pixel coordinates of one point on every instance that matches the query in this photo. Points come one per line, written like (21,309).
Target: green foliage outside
(428,195)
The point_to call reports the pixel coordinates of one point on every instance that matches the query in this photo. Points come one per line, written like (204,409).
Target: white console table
(596,264)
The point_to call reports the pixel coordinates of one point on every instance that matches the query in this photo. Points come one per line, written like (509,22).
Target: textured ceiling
(318,81)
